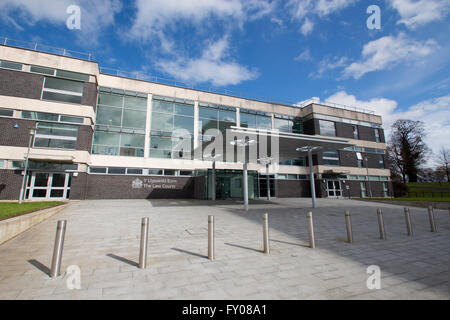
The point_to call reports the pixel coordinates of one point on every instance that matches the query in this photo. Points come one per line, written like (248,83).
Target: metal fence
(44,48)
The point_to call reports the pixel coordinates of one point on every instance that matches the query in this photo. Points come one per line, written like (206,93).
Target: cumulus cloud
(95,14)
(415,13)
(214,65)
(387,52)
(435,113)
(327,64)
(300,10)
(153,17)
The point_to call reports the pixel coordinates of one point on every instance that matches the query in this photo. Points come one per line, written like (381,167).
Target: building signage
(154,183)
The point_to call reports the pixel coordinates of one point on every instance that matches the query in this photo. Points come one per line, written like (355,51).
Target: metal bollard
(144,242)
(408,222)
(431,216)
(381,224)
(58,249)
(266,233)
(348,223)
(211,254)
(312,243)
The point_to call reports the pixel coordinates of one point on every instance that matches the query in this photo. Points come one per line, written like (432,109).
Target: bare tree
(406,149)
(443,159)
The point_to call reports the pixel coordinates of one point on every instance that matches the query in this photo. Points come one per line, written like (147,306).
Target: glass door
(334,189)
(48,186)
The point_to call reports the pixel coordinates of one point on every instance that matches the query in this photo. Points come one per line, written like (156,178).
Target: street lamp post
(22,191)
(267,161)
(244,143)
(368,179)
(310,150)
(213,157)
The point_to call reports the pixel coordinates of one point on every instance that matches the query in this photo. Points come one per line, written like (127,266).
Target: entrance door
(334,189)
(48,186)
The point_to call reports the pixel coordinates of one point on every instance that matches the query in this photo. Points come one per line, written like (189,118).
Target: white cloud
(328,64)
(435,113)
(153,17)
(212,66)
(300,10)
(304,56)
(307,27)
(95,14)
(417,13)
(387,52)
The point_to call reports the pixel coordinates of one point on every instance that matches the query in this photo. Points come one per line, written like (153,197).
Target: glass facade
(288,124)
(55,136)
(330,158)
(255,119)
(62,90)
(327,128)
(120,125)
(172,128)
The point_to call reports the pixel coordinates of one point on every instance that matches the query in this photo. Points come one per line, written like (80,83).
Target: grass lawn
(12,209)
(435,199)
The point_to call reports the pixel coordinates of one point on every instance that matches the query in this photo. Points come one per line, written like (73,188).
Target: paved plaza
(102,238)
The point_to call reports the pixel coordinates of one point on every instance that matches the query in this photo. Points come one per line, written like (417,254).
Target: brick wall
(10,183)
(21,84)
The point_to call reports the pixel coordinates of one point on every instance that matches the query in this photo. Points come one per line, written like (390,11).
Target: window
(355,132)
(116,170)
(55,136)
(155,172)
(2,164)
(51,117)
(327,128)
(363,189)
(186,173)
(134,171)
(377,135)
(330,158)
(62,90)
(97,170)
(385,189)
(42,70)
(114,144)
(359,159)
(72,75)
(288,124)
(381,161)
(10,65)
(6,112)
(255,119)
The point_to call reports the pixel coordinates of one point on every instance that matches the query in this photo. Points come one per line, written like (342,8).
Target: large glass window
(62,90)
(330,158)
(6,112)
(288,124)
(327,128)
(377,135)
(172,128)
(58,136)
(120,125)
(355,132)
(255,119)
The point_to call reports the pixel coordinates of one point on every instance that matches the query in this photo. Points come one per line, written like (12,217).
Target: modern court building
(89,134)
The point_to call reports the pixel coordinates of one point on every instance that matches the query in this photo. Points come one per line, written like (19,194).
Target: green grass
(13,209)
(446,199)
(443,185)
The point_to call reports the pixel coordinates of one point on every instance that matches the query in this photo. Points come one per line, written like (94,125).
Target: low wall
(12,227)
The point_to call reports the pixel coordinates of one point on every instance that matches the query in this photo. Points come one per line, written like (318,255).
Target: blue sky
(289,50)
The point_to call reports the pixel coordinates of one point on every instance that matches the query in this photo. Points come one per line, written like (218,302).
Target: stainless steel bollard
(432,222)
(381,224)
(58,249)
(266,233)
(348,223)
(312,242)
(408,222)
(211,254)
(144,243)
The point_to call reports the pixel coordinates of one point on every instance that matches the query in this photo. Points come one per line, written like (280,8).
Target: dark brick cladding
(10,183)
(90,95)
(19,137)
(20,84)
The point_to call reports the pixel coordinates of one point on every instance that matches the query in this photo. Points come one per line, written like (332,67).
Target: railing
(423,194)
(141,76)
(44,48)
